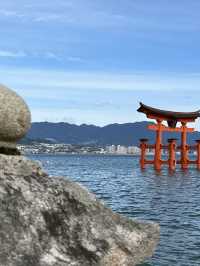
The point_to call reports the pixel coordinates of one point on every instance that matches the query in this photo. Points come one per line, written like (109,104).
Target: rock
(50,221)
(15,118)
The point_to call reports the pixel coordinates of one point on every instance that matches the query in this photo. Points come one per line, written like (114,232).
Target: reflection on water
(171,199)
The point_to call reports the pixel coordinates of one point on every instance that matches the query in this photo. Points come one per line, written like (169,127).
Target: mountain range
(123,134)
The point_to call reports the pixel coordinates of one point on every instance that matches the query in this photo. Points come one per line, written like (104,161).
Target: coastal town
(62,148)
(46,148)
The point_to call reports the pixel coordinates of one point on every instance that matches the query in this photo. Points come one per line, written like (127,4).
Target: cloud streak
(12,54)
(146,81)
(38,55)
(135,15)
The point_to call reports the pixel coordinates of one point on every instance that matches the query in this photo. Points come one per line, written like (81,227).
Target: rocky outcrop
(49,221)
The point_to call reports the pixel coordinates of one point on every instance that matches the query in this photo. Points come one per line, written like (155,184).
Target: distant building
(111,149)
(133,150)
(121,149)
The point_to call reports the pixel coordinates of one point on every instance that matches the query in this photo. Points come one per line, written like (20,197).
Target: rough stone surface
(15,118)
(49,221)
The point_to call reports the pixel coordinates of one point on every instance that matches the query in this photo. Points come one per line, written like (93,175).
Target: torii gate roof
(169,116)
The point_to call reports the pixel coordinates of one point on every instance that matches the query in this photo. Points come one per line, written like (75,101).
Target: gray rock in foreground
(55,222)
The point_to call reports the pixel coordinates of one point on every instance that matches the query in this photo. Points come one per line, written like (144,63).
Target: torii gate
(172,119)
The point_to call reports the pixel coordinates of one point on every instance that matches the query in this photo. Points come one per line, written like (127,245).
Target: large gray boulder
(15,118)
(49,221)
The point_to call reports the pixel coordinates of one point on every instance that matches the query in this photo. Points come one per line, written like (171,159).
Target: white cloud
(135,15)
(75,59)
(35,54)
(146,81)
(45,17)
(51,55)
(11,14)
(12,54)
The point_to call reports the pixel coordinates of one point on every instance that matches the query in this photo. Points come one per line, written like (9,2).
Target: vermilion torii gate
(172,118)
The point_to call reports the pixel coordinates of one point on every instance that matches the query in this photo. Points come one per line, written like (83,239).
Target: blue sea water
(172,200)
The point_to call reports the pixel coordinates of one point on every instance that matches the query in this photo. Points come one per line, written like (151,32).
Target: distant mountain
(123,134)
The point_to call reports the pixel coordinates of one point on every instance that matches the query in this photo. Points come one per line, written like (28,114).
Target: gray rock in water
(49,221)
(15,118)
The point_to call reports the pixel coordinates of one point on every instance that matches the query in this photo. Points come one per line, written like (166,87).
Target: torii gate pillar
(184,148)
(158,148)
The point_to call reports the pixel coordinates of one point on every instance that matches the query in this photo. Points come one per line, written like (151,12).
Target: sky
(93,61)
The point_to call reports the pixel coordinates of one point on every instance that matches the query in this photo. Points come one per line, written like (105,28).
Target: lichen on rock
(52,221)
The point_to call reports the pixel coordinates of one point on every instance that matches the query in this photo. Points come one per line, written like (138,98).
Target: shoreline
(82,154)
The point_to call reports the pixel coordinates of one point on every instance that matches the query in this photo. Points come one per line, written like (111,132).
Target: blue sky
(92,61)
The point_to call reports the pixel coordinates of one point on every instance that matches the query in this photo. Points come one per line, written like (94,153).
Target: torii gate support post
(198,154)
(184,148)
(172,154)
(143,147)
(158,146)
